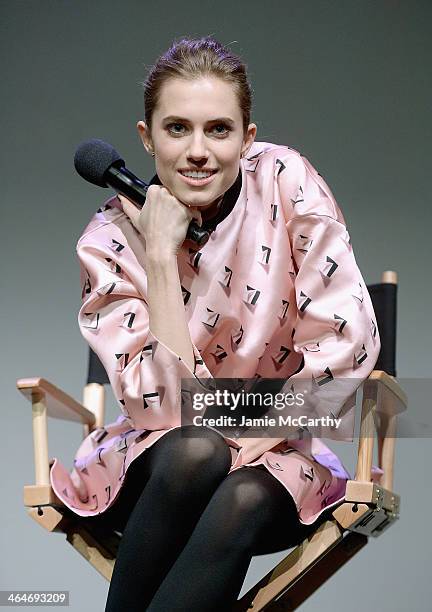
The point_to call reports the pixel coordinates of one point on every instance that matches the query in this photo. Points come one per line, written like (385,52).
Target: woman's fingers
(133,212)
(130,210)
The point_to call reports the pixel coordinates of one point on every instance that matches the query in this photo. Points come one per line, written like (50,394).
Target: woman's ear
(249,138)
(144,134)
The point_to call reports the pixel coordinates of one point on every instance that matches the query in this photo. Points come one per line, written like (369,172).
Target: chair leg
(315,577)
(303,571)
(99,549)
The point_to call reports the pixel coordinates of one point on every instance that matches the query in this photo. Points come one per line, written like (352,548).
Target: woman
(275,293)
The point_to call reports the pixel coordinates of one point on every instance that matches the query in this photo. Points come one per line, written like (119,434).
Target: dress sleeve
(144,373)
(335,329)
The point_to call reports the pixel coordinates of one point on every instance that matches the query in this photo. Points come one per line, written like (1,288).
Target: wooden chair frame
(368,510)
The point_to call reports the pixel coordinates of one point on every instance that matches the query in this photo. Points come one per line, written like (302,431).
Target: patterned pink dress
(277,285)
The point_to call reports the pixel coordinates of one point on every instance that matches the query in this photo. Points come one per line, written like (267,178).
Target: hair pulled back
(194,58)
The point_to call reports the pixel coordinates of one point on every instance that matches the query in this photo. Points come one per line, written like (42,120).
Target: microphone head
(93,158)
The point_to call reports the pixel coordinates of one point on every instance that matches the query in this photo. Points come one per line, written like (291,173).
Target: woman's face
(197,126)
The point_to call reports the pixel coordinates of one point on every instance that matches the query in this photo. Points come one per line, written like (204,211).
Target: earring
(152,153)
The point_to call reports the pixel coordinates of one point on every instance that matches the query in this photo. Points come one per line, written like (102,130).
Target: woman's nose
(197,148)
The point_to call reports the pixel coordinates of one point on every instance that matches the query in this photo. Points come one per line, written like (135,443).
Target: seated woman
(274,293)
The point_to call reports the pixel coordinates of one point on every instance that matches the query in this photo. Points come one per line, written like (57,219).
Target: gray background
(346,83)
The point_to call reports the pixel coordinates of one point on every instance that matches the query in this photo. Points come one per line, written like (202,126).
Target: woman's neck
(212,210)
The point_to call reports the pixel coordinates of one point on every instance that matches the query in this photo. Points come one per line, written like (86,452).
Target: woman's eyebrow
(177,118)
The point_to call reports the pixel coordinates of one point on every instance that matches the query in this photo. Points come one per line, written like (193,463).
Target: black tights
(190,529)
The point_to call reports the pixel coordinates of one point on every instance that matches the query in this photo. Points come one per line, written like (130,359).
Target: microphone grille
(93,158)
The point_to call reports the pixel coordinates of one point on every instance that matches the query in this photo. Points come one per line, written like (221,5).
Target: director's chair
(368,509)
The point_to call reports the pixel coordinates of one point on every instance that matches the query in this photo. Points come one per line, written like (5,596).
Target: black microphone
(99,163)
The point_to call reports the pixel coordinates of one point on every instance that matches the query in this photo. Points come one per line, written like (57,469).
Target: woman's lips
(197,182)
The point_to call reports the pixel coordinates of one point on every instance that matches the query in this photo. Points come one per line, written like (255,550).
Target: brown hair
(193,58)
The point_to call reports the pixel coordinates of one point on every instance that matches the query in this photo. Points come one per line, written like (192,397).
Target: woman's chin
(192,201)
(196,205)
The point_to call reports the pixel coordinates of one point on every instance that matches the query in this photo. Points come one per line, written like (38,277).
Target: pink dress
(277,285)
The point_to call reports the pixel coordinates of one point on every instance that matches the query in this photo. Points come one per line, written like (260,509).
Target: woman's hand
(163,221)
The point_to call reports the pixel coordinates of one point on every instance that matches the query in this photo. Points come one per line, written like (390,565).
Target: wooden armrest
(382,396)
(48,400)
(59,405)
(390,390)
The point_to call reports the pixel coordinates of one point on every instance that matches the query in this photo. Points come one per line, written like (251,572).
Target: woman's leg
(171,486)
(250,513)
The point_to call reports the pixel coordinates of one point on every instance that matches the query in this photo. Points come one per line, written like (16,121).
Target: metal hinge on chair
(368,509)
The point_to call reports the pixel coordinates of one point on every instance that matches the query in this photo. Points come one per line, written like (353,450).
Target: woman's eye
(172,127)
(224,127)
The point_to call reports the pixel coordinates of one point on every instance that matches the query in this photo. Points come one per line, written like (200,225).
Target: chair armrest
(48,400)
(371,507)
(382,396)
(59,405)
(390,388)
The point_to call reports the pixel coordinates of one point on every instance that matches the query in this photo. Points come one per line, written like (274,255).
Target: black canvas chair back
(383,297)
(96,371)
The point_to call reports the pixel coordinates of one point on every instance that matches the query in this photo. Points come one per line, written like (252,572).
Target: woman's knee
(249,493)
(191,453)
(264,512)
(240,510)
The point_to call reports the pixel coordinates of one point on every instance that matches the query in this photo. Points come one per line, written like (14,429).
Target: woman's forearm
(167,318)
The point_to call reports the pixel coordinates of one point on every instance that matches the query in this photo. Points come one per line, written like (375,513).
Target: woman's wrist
(158,256)
(167,319)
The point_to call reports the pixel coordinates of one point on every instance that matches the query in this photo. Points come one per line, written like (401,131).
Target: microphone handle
(126,183)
